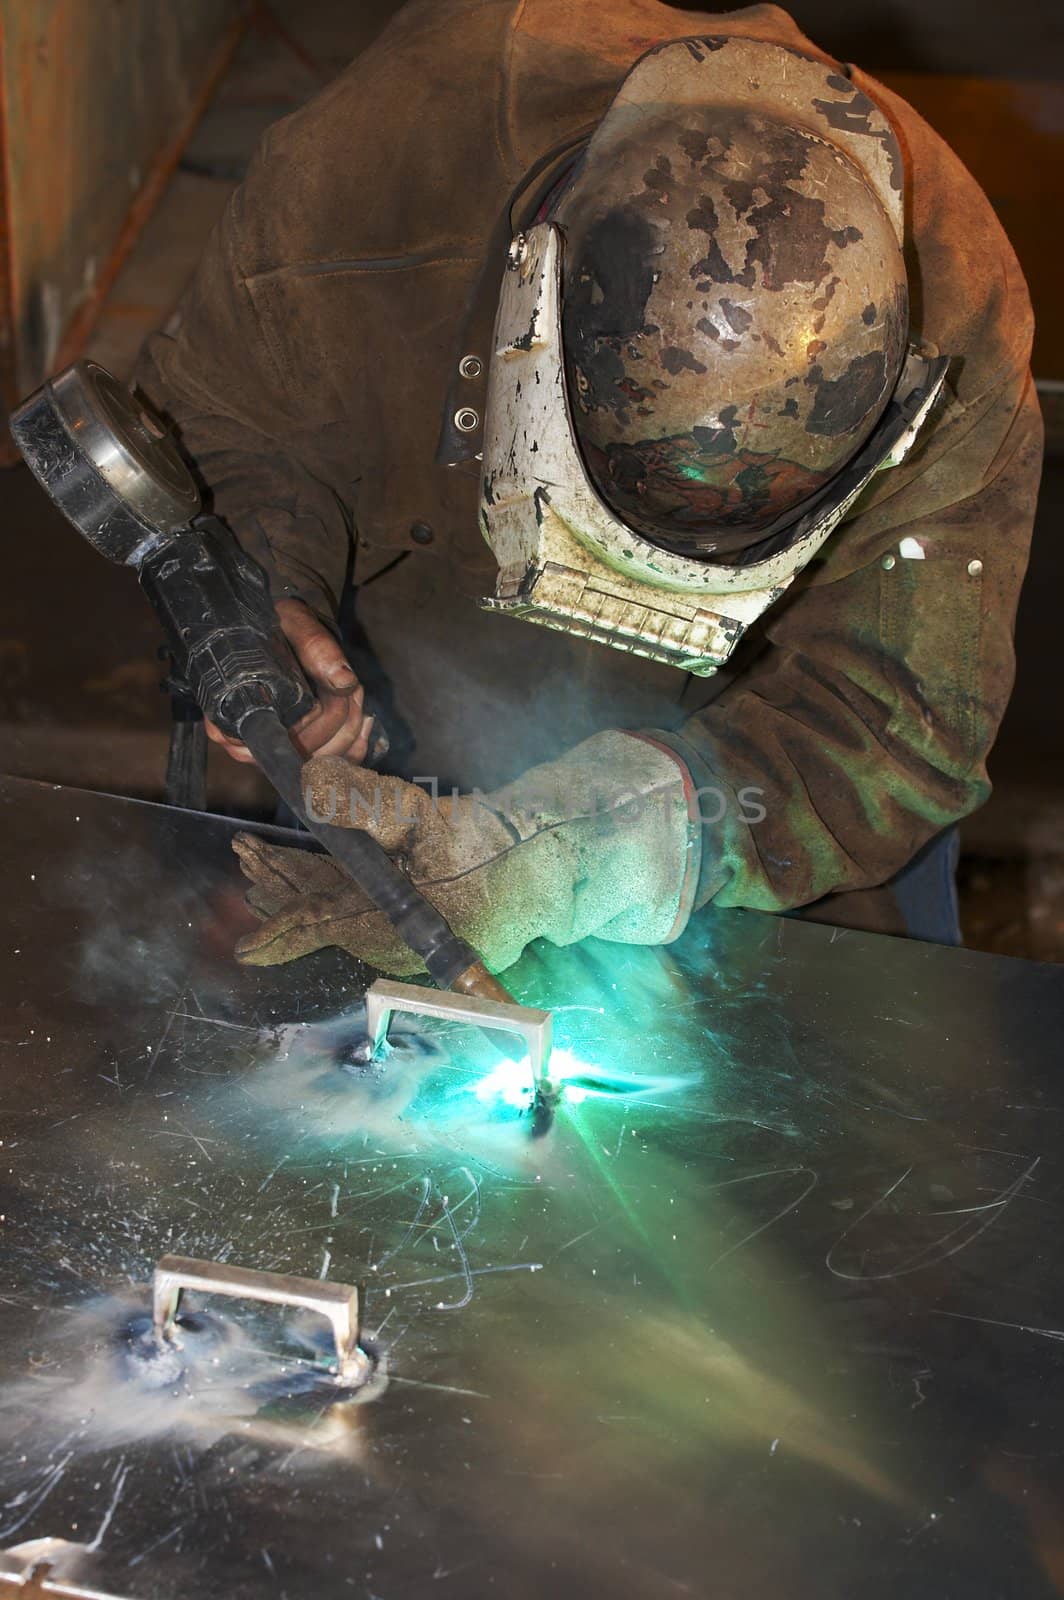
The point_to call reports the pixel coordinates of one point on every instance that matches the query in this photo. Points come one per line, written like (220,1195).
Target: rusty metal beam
(151,191)
(8,355)
(17,332)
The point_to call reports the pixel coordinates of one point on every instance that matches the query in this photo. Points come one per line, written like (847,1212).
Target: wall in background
(96,101)
(975,38)
(1010,135)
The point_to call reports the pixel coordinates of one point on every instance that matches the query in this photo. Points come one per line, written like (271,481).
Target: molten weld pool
(771,1308)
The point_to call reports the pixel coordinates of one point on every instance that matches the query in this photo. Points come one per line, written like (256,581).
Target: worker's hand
(337,726)
(599,842)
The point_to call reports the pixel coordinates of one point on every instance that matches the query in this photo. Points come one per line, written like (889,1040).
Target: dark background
(975,37)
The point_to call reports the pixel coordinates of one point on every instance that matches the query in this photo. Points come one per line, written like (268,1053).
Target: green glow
(510,1082)
(637,1044)
(615,1035)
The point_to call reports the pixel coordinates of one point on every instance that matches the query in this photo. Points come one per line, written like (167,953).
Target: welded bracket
(337,1302)
(48,1566)
(385,997)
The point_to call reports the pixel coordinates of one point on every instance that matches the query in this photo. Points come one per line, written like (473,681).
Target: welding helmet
(701,355)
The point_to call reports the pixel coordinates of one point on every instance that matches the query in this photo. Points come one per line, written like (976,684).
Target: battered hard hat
(702,352)
(734,316)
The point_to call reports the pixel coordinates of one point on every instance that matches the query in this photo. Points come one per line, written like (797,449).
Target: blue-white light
(510,1082)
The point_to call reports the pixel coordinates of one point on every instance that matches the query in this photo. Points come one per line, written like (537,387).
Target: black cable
(417,922)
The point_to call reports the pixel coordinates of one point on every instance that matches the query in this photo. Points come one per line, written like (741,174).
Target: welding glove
(602,841)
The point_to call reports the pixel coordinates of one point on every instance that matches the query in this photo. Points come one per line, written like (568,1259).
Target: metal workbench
(789,1322)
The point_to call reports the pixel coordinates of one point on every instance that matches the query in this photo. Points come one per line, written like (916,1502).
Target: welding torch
(116,473)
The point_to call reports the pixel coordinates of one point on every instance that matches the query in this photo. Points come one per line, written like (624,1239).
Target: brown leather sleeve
(218,381)
(867,719)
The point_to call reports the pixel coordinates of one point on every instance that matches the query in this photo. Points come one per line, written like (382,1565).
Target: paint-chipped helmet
(734,303)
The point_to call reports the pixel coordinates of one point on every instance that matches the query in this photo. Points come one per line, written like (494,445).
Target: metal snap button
(421,533)
(974,568)
(888,563)
(471,366)
(466,420)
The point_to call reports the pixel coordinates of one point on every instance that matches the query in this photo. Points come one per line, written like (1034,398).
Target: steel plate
(775,1308)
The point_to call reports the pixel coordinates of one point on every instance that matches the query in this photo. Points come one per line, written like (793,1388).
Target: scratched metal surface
(789,1323)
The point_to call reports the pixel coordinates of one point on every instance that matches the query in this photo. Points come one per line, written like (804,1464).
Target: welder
(631,409)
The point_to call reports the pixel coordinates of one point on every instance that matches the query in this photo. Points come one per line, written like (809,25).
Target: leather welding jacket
(317,353)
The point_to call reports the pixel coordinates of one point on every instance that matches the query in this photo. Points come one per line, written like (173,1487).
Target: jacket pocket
(931,614)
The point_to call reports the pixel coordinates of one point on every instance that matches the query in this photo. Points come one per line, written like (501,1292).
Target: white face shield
(566,561)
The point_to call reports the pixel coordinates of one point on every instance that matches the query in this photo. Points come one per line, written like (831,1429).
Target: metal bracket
(385,997)
(337,1302)
(38,1584)
(43,1567)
